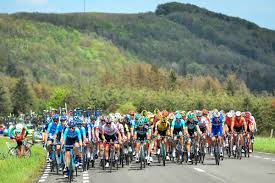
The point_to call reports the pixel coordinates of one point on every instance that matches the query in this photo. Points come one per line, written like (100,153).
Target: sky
(261,12)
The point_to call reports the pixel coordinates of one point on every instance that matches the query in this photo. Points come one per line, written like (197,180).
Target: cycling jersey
(228,121)
(59,130)
(162,128)
(71,137)
(51,130)
(82,132)
(141,133)
(177,126)
(88,128)
(112,130)
(239,122)
(110,133)
(19,132)
(202,123)
(120,128)
(216,126)
(191,127)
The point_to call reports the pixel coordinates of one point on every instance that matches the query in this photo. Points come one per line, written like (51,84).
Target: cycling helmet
(140,122)
(178,116)
(199,114)
(238,113)
(63,118)
(183,113)
(93,117)
(247,114)
(55,117)
(137,116)
(102,118)
(190,116)
(171,116)
(159,116)
(216,114)
(71,124)
(144,113)
(243,113)
(109,119)
(229,115)
(205,112)
(165,113)
(145,119)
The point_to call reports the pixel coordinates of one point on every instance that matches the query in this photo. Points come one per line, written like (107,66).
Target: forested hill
(185,37)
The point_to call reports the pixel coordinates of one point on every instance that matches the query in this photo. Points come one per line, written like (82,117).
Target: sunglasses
(71,127)
(108,123)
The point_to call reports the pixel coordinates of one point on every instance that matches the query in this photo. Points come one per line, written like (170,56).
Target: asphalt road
(260,168)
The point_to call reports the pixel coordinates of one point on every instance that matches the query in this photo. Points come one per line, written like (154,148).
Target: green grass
(23,170)
(264,144)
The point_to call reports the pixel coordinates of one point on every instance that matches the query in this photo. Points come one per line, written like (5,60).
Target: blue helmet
(55,117)
(140,122)
(178,116)
(71,124)
(63,118)
(137,116)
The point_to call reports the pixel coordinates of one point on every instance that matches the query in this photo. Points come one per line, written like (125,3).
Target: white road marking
(86,181)
(257,156)
(273,160)
(44,177)
(199,170)
(267,158)
(85,178)
(41,180)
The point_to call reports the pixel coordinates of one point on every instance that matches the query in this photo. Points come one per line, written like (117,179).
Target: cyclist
(142,134)
(227,126)
(89,129)
(79,121)
(204,127)
(19,132)
(72,137)
(192,131)
(58,135)
(162,129)
(238,126)
(216,130)
(50,134)
(177,128)
(98,133)
(110,133)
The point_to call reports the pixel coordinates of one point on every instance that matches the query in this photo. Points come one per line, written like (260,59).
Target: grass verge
(23,170)
(264,144)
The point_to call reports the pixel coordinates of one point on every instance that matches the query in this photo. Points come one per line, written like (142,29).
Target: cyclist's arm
(90,133)
(232,125)
(79,136)
(65,136)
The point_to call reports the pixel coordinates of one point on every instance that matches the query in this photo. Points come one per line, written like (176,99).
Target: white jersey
(109,130)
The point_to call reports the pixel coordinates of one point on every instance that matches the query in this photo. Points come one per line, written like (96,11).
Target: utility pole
(84,6)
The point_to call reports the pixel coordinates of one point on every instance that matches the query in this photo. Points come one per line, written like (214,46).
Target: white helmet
(216,114)
(238,113)
(229,114)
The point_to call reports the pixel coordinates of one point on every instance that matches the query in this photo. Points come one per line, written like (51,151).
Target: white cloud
(32,2)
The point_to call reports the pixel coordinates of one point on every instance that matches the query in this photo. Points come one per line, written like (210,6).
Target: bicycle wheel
(141,156)
(13,151)
(163,153)
(71,169)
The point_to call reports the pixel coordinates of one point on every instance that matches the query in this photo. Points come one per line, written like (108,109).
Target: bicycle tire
(71,169)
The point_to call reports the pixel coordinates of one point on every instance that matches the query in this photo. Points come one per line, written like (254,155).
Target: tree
(172,79)
(23,99)
(5,101)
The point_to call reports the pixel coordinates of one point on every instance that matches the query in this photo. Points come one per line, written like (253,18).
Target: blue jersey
(217,126)
(176,125)
(51,129)
(72,135)
(82,132)
(88,128)
(59,130)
